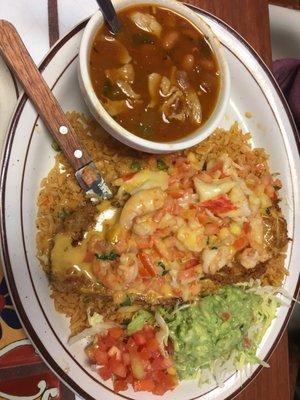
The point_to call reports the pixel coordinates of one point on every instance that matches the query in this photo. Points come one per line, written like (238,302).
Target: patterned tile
(23,375)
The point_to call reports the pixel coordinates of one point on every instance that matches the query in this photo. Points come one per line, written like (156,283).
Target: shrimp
(215,259)
(105,273)
(162,249)
(249,258)
(256,238)
(144,225)
(172,222)
(239,199)
(256,232)
(141,203)
(117,274)
(192,236)
(128,267)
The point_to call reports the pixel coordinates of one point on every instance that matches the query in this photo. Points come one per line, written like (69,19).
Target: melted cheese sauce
(67,259)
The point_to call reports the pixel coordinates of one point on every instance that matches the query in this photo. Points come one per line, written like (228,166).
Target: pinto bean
(169,40)
(188,62)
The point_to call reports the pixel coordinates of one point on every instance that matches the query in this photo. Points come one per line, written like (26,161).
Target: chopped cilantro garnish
(161,165)
(112,255)
(126,302)
(135,166)
(55,146)
(163,267)
(63,213)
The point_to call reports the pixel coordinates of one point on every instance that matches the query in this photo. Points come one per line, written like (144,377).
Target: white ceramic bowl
(110,124)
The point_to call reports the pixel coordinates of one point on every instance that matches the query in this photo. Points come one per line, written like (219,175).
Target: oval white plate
(28,158)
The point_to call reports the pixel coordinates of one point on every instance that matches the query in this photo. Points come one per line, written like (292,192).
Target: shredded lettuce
(162,335)
(99,328)
(138,321)
(94,319)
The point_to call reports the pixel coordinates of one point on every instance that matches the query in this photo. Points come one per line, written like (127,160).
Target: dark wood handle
(18,59)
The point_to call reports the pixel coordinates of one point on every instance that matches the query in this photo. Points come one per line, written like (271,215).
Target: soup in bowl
(161,84)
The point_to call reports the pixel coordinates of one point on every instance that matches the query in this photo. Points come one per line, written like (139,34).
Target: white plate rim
(5,257)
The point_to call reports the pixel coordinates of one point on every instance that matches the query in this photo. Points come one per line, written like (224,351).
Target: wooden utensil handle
(17,57)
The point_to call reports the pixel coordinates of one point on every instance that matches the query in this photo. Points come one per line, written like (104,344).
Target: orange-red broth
(179,45)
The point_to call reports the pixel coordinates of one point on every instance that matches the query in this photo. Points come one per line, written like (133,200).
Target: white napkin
(31,21)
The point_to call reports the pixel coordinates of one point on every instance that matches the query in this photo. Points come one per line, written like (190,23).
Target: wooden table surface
(250,18)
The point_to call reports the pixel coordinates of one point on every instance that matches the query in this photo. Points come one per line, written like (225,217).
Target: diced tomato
(191,263)
(115,332)
(203,218)
(120,385)
(170,381)
(145,354)
(146,243)
(225,315)
(131,343)
(128,176)
(147,263)
(149,332)
(100,356)
(139,338)
(117,367)
(246,227)
(247,342)
(241,242)
(141,385)
(89,257)
(105,373)
(161,363)
(155,354)
(187,273)
(108,341)
(135,360)
(218,205)
(158,376)
(152,345)
(126,358)
(137,366)
(159,390)
(211,229)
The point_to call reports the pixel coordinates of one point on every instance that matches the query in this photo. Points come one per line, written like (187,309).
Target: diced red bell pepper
(219,205)
(147,264)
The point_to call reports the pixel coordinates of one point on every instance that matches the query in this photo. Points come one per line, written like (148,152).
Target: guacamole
(214,327)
